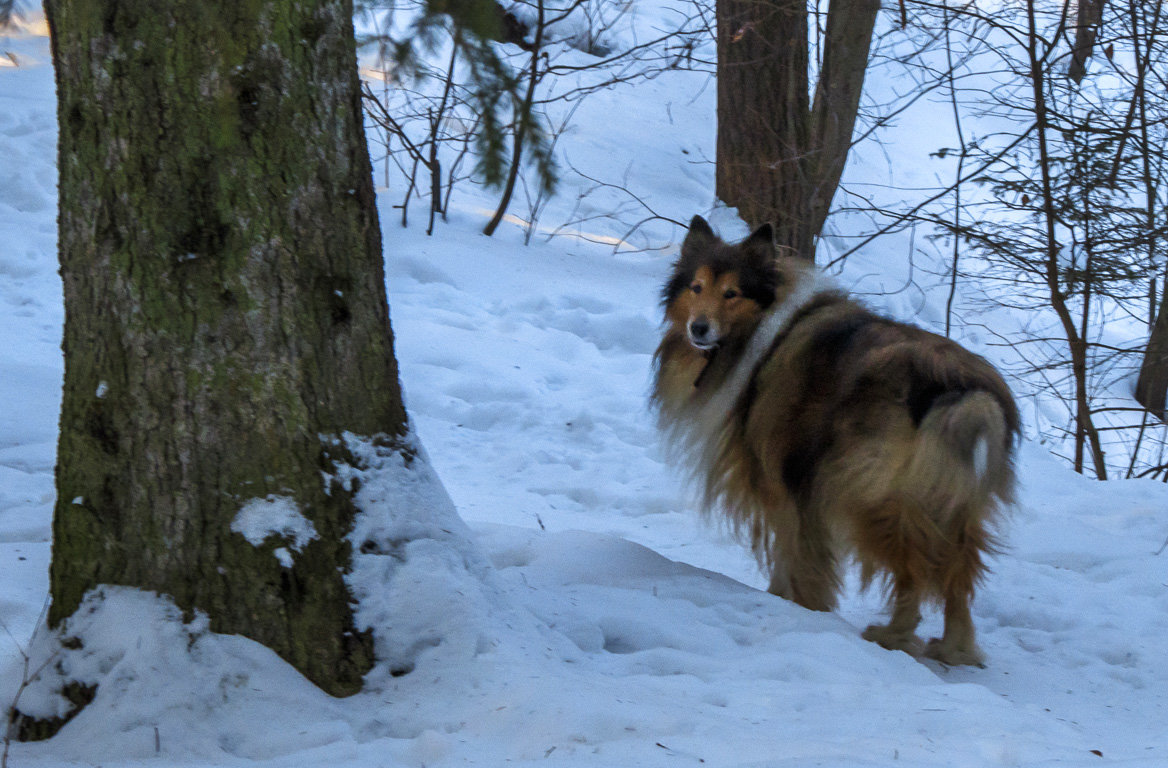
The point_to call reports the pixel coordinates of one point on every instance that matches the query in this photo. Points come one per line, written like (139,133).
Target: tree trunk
(780,157)
(1152,384)
(1088,18)
(764,116)
(225,312)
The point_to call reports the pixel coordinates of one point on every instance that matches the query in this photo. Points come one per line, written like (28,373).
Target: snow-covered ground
(585,615)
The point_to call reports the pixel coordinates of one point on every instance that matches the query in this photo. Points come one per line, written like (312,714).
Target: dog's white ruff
(699,436)
(810,285)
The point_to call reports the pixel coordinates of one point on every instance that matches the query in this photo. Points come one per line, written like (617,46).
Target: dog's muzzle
(702,334)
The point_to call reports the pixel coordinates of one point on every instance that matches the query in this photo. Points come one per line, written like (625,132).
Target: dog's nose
(702,333)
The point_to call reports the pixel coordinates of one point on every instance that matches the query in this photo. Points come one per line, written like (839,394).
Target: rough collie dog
(824,430)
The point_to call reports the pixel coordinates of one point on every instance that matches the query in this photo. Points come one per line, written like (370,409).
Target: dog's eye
(696,288)
(730,294)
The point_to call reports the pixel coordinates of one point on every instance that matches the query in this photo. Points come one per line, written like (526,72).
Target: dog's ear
(761,242)
(697,243)
(699,226)
(698,240)
(764,235)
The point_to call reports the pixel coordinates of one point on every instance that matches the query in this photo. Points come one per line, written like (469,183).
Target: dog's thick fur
(823,429)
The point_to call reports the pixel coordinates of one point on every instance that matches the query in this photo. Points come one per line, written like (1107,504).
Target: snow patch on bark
(277,516)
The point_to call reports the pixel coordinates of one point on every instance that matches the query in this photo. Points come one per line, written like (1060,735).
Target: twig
(25,679)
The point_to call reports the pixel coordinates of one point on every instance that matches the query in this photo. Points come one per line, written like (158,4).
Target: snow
(554,598)
(278,516)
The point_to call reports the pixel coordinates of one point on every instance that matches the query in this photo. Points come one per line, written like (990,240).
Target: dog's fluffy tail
(963,464)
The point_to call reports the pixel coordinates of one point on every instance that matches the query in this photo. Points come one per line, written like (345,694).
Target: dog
(824,430)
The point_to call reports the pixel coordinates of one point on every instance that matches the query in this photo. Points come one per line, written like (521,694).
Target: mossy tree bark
(225,310)
(780,154)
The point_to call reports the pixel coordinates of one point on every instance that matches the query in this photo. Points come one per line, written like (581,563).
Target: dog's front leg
(807,574)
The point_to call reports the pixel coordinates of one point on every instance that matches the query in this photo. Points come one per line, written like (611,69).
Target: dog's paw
(893,639)
(955,654)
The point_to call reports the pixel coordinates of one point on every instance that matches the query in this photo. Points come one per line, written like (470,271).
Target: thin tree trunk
(1076,342)
(1083,414)
(523,116)
(848,39)
(225,312)
(957,124)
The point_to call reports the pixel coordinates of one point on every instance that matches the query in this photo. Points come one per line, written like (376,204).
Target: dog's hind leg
(958,644)
(894,538)
(900,633)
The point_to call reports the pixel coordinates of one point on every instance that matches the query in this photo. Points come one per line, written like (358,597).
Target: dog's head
(718,291)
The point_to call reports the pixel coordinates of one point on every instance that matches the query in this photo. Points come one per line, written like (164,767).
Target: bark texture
(225,310)
(779,153)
